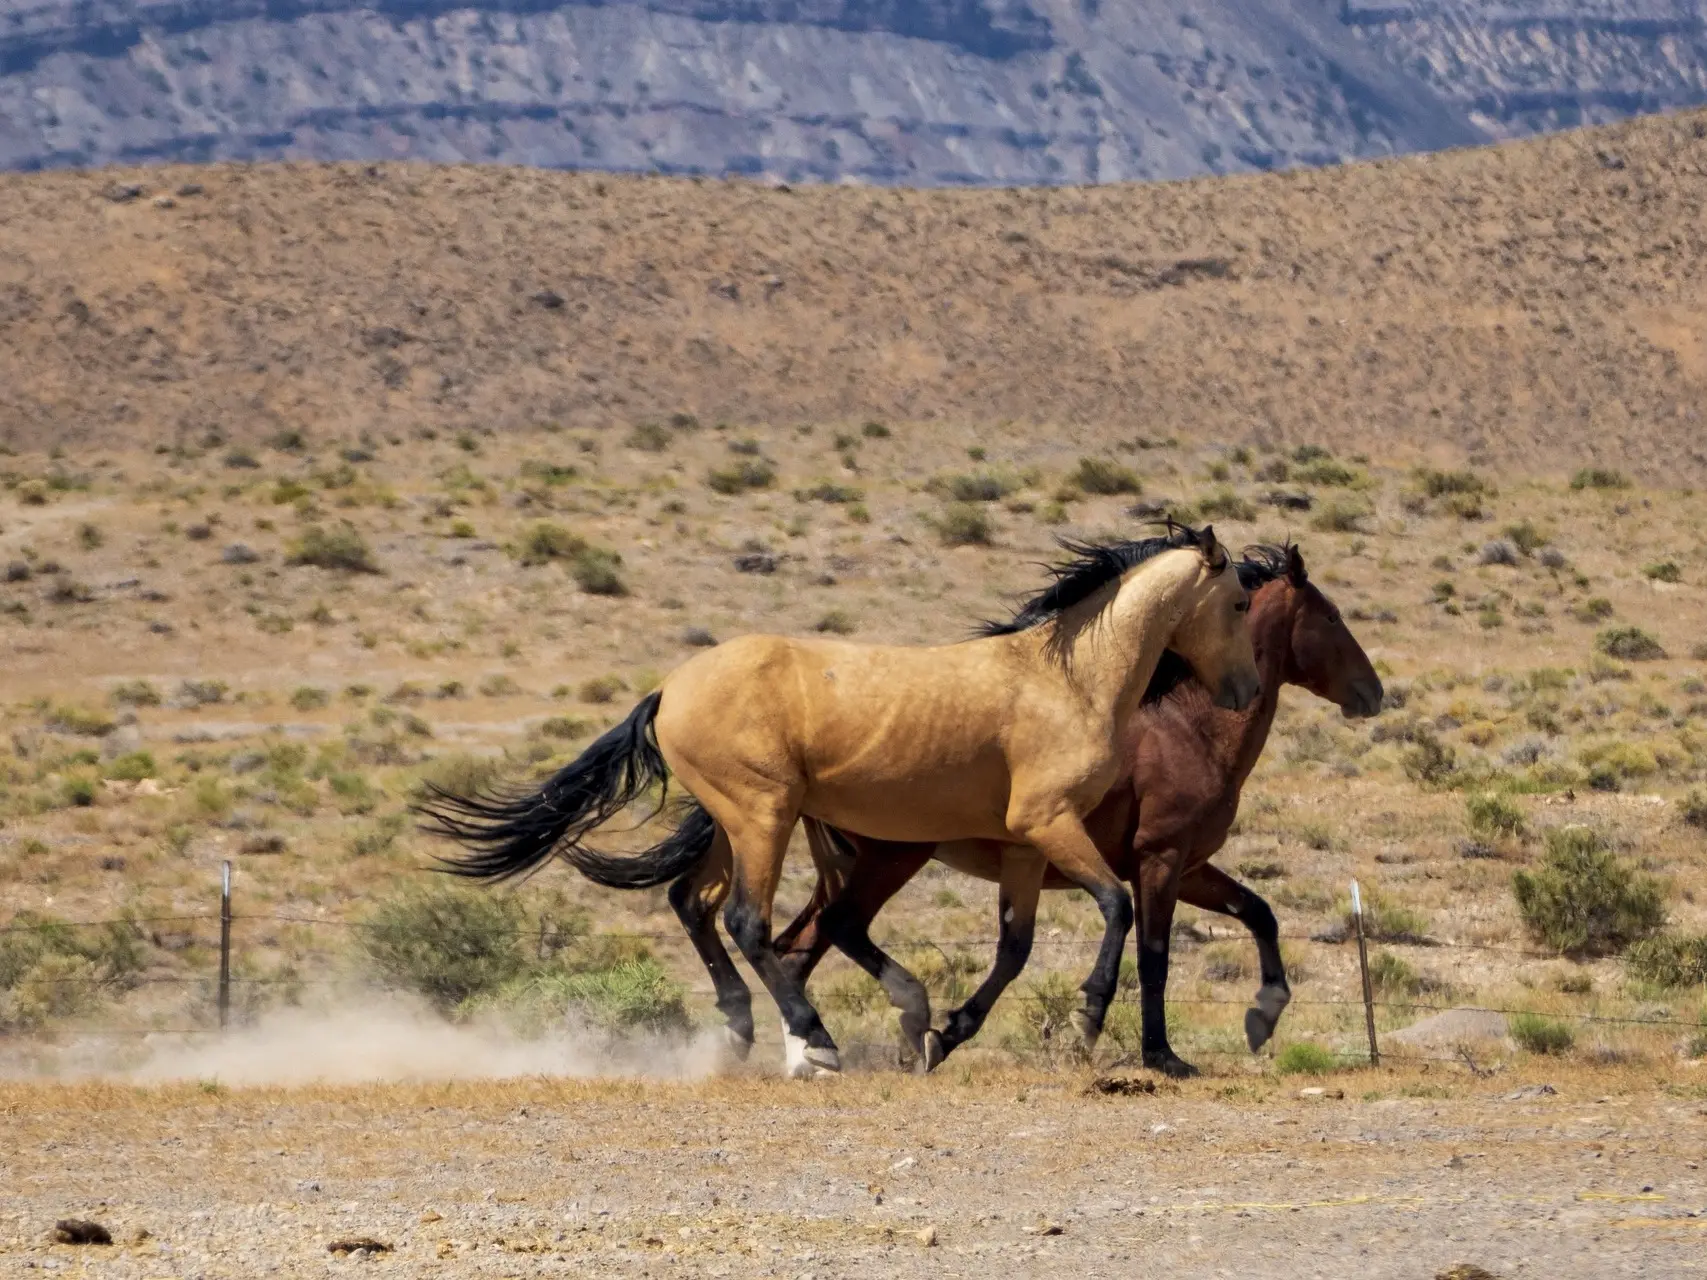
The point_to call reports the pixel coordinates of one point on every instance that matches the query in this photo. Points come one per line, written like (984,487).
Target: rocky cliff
(895,91)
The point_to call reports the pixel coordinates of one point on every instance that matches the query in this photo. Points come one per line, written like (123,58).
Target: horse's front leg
(1066,844)
(1213,889)
(1022,881)
(1158,890)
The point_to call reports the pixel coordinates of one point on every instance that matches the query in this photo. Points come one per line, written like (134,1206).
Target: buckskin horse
(1191,762)
(1012,737)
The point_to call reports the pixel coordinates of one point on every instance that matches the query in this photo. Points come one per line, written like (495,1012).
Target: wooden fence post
(1363,965)
(225,946)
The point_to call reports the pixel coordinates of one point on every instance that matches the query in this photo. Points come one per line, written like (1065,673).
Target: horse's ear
(1208,544)
(1295,571)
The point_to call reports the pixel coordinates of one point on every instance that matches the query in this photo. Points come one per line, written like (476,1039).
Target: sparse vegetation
(1305,1058)
(742,476)
(1536,1033)
(1101,476)
(965,524)
(1669,960)
(1632,644)
(342,548)
(1583,900)
(1599,478)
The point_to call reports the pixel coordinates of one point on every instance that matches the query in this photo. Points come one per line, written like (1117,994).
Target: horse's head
(1213,635)
(1300,630)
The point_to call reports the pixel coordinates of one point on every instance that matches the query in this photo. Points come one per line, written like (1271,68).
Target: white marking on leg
(794,1055)
(1008,916)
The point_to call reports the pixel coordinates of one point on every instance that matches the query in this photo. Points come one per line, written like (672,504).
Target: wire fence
(221,982)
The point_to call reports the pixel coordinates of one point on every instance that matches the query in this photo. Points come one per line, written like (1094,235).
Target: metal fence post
(1363,965)
(225,946)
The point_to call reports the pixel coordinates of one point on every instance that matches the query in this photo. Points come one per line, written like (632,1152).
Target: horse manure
(366,1246)
(1123,1086)
(80,1231)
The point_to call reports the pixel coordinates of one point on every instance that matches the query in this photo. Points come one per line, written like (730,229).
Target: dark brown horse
(1190,764)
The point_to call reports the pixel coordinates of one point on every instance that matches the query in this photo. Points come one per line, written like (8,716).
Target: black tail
(513,834)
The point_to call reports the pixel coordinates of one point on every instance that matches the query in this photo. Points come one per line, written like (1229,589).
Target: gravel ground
(872,1175)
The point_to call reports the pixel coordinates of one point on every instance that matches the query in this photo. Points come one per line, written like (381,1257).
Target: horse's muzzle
(1364,700)
(1238,691)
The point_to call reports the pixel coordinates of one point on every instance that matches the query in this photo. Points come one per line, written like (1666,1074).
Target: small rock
(698,638)
(165,202)
(1123,1086)
(755,562)
(238,553)
(366,1246)
(432,1215)
(123,192)
(1531,1091)
(1312,1093)
(1465,1271)
(190,189)
(1044,1229)
(927,1237)
(80,1231)
(906,1162)
(550,299)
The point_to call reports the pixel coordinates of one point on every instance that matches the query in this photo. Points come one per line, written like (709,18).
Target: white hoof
(802,1062)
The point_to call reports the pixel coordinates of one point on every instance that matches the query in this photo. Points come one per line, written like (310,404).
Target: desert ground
(248,615)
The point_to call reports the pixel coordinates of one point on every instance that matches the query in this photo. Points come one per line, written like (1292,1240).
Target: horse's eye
(1244,606)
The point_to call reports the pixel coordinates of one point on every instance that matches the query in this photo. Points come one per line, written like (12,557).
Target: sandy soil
(1008,1174)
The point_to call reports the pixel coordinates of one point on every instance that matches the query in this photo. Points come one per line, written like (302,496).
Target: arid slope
(1533,306)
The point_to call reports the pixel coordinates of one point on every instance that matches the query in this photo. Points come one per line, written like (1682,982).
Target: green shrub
(1393,974)
(82,721)
(1583,900)
(837,622)
(1430,762)
(833,493)
(50,968)
(1525,537)
(1493,815)
(1664,571)
(1385,920)
(1100,476)
(1439,484)
(650,436)
(134,693)
(544,541)
(77,792)
(1326,472)
(133,766)
(595,571)
(1693,809)
(309,698)
(1538,1034)
(1225,504)
(633,994)
(964,524)
(739,477)
(1632,644)
(1669,960)
(449,945)
(564,728)
(342,548)
(981,486)
(602,689)
(1340,515)
(1599,478)
(875,431)
(1305,1058)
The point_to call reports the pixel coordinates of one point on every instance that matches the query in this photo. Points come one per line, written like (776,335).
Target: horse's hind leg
(1022,881)
(879,872)
(758,839)
(1158,891)
(696,898)
(1214,890)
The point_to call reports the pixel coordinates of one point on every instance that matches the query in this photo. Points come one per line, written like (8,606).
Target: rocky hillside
(893,91)
(1537,305)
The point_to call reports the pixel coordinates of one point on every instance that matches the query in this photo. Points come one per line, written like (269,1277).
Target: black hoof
(1170,1065)
(1258,1029)
(934,1051)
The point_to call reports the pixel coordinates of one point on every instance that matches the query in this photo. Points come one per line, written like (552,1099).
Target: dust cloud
(383,1038)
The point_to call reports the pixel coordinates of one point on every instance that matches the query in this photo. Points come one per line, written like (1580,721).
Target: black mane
(1094,565)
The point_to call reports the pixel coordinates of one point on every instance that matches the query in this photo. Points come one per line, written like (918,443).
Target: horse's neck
(1247,731)
(1114,653)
